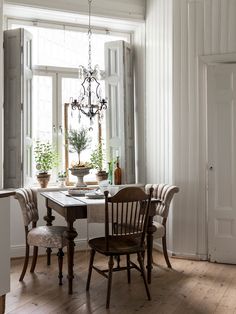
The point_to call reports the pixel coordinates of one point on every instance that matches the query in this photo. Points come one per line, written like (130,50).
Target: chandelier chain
(89,37)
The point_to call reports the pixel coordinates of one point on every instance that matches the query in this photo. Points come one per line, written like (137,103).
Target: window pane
(58,47)
(42,111)
(70,88)
(42,108)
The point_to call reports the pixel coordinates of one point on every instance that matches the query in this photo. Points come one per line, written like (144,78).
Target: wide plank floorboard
(190,287)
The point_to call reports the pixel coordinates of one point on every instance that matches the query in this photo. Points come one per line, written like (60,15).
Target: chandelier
(90,101)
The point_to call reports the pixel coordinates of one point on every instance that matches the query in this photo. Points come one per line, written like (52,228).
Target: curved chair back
(164,194)
(27,199)
(126,213)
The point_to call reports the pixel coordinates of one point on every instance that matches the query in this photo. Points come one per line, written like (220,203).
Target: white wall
(200,27)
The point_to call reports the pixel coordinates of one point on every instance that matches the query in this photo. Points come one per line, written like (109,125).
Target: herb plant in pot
(46,158)
(96,161)
(79,140)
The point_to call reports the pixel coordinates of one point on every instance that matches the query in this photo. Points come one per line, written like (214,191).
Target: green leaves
(79,140)
(97,158)
(45,156)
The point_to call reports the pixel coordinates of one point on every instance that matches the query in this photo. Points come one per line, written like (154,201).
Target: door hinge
(21,106)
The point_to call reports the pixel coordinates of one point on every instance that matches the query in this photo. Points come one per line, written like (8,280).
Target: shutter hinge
(21,49)
(21,106)
(21,166)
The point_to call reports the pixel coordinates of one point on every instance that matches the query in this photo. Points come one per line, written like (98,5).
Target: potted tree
(96,161)
(79,140)
(46,158)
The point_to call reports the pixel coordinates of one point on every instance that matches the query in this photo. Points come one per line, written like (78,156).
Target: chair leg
(25,262)
(34,260)
(48,250)
(165,252)
(140,260)
(110,269)
(60,255)
(128,267)
(92,254)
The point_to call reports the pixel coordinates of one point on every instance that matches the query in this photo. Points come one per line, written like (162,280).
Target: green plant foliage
(79,141)
(45,157)
(97,158)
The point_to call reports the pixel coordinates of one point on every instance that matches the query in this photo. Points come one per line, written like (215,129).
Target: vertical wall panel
(1,94)
(211,29)
(158,90)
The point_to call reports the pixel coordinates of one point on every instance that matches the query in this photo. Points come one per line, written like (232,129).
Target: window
(54,85)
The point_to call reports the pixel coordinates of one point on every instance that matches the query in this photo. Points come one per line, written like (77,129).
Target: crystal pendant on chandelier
(90,101)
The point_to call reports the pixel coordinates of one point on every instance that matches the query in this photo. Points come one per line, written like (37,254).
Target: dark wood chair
(126,218)
(43,236)
(162,197)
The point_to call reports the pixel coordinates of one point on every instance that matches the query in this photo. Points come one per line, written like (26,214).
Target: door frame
(203,62)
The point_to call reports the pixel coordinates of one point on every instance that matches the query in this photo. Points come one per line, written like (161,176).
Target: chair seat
(117,245)
(47,236)
(160,232)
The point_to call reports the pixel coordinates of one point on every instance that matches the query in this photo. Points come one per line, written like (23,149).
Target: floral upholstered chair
(43,236)
(163,193)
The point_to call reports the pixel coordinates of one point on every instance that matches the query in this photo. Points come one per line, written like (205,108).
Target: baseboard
(196,257)
(19,250)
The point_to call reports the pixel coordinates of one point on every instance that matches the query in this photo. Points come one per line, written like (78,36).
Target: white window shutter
(17,108)
(120,112)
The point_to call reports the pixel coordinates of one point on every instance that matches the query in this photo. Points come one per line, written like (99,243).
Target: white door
(221,113)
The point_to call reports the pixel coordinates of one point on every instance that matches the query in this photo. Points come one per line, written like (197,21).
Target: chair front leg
(165,251)
(128,267)
(110,269)
(92,254)
(49,251)
(140,260)
(34,260)
(27,248)
(25,262)
(60,255)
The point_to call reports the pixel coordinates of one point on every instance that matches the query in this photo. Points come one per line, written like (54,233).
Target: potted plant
(61,178)
(79,140)
(46,158)
(96,161)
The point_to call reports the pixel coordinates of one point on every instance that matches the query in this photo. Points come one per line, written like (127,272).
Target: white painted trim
(196,257)
(218,58)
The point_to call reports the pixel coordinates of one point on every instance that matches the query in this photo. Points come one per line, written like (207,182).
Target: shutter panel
(120,112)
(27,109)
(17,104)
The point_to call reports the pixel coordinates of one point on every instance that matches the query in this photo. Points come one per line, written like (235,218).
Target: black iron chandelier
(90,101)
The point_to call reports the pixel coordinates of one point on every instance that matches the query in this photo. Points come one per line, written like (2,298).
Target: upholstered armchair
(163,193)
(43,236)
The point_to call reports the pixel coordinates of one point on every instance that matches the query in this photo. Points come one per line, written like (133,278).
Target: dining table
(73,207)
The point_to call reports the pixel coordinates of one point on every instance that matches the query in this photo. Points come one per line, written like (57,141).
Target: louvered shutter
(17,107)
(120,112)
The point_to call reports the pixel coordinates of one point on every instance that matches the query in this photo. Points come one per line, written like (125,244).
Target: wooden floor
(191,287)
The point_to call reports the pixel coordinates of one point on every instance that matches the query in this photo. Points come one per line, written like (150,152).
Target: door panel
(221,98)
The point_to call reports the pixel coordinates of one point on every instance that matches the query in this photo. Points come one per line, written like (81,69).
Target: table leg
(70,235)
(49,219)
(2,304)
(150,230)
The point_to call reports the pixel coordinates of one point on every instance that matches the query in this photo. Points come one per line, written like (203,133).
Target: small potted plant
(79,140)
(46,158)
(61,178)
(96,161)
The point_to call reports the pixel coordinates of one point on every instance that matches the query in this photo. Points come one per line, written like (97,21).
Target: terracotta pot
(43,179)
(101,175)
